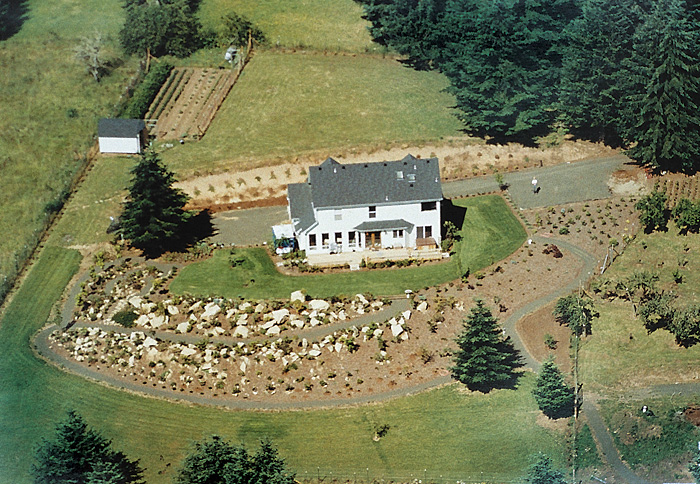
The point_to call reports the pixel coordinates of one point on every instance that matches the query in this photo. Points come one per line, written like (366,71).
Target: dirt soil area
(459,158)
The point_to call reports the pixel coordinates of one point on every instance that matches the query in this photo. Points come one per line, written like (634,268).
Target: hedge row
(147,90)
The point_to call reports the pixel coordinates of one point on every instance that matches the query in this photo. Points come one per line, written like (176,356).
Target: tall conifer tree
(554,397)
(486,359)
(153,218)
(667,127)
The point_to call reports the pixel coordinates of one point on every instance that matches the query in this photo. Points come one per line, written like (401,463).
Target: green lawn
(443,432)
(620,354)
(50,107)
(287,105)
(333,25)
(490,233)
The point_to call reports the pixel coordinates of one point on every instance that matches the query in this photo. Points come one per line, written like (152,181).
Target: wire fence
(367,476)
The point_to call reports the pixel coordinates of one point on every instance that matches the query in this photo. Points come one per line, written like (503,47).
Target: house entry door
(373,239)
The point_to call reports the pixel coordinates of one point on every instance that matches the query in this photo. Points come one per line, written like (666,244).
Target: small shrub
(125,318)
(550,342)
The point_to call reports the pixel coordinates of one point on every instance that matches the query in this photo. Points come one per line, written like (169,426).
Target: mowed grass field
(50,107)
(620,354)
(490,233)
(445,432)
(333,25)
(291,104)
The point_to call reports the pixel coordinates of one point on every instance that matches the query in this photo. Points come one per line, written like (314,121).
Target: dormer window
(373,211)
(399,175)
(411,177)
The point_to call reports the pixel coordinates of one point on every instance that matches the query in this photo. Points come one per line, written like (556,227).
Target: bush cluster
(147,91)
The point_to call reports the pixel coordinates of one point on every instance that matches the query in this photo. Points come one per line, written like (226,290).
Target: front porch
(354,259)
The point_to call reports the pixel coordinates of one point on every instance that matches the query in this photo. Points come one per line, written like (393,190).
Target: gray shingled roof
(407,180)
(374,225)
(300,207)
(119,128)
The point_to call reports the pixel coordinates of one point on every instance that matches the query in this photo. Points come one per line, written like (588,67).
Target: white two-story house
(361,206)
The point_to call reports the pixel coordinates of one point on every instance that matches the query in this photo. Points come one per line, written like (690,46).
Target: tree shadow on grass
(452,213)
(198,228)
(13,14)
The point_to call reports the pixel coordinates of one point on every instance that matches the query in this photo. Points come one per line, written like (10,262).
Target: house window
(373,211)
(398,233)
(426,206)
(399,175)
(312,241)
(352,240)
(339,238)
(338,215)
(424,232)
(324,240)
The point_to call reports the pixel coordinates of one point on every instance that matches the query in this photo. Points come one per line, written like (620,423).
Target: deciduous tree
(486,359)
(153,217)
(576,312)
(89,52)
(653,214)
(79,454)
(554,397)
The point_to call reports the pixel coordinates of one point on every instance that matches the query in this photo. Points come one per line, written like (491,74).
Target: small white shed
(121,135)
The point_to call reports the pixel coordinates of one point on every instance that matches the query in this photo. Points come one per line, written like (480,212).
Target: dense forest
(625,72)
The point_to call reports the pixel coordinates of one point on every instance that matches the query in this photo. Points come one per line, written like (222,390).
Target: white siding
(120,145)
(331,221)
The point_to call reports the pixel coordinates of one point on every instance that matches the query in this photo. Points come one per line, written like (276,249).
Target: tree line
(623,72)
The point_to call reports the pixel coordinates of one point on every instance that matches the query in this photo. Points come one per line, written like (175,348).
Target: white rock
(396,329)
(149,342)
(148,307)
(338,347)
(243,366)
(342,316)
(136,301)
(242,319)
(194,307)
(361,298)
(173,310)
(210,311)
(360,310)
(152,353)
(188,351)
(378,332)
(206,366)
(319,305)
(182,327)
(268,324)
(273,331)
(406,314)
(219,330)
(132,360)
(304,343)
(314,322)
(193,318)
(297,296)
(404,336)
(279,315)
(240,332)
(142,320)
(230,313)
(422,306)
(260,308)
(244,306)
(158,321)
(314,353)
(297,323)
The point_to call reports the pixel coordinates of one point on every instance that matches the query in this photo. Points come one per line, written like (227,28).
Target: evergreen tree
(153,217)
(554,397)
(215,461)
(694,466)
(653,214)
(541,472)
(79,454)
(485,359)
(667,125)
(594,77)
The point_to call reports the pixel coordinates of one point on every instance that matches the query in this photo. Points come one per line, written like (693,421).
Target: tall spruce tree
(79,454)
(667,124)
(594,74)
(485,359)
(215,461)
(554,397)
(542,472)
(153,218)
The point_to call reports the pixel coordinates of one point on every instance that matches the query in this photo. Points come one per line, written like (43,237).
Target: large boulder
(241,332)
(297,296)
(319,305)
(396,329)
(158,321)
(188,351)
(211,310)
(279,315)
(183,327)
(273,331)
(149,342)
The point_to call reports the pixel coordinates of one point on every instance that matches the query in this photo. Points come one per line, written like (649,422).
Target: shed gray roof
(408,180)
(375,225)
(300,208)
(119,128)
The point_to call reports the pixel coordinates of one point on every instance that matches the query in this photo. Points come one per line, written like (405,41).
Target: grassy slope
(444,435)
(333,25)
(490,232)
(290,104)
(613,360)
(40,82)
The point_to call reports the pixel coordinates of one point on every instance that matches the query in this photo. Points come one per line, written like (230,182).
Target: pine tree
(541,472)
(485,359)
(594,76)
(667,127)
(215,461)
(554,397)
(80,454)
(153,217)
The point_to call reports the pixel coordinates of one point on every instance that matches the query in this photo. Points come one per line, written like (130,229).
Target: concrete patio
(354,259)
